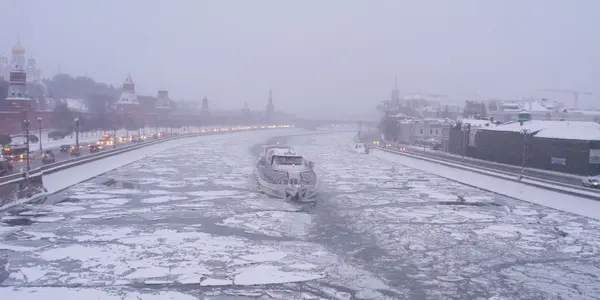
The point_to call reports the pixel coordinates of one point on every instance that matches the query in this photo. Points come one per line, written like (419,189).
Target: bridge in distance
(313,124)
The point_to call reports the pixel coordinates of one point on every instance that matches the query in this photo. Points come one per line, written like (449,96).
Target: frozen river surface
(190,224)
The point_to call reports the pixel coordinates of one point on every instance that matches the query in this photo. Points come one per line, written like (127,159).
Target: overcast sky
(317,56)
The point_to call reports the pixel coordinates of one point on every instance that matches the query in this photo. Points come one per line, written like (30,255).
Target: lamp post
(76,121)
(170,125)
(115,137)
(39,119)
(26,127)
(465,129)
(155,126)
(525,133)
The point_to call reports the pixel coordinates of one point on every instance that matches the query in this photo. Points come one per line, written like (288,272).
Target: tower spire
(395,93)
(270,108)
(128,97)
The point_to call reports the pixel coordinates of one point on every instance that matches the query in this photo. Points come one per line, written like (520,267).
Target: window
(421,131)
(437,132)
(288,160)
(431,131)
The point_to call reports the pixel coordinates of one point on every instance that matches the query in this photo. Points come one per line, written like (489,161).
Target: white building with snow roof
(567,130)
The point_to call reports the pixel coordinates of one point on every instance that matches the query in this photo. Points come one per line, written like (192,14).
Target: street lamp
(465,129)
(155,126)
(26,127)
(170,124)
(39,119)
(76,121)
(525,133)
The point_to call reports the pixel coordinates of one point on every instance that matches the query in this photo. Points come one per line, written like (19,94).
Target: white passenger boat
(358,147)
(284,174)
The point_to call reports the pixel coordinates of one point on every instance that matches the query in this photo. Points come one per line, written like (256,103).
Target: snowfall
(189,223)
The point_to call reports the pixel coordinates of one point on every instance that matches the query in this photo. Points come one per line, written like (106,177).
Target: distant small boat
(358,147)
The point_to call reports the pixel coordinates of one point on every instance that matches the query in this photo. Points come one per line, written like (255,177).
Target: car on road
(65,148)
(94,148)
(13,152)
(591,181)
(27,155)
(5,167)
(48,157)
(74,148)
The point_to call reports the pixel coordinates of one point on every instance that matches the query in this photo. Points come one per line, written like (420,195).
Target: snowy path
(189,224)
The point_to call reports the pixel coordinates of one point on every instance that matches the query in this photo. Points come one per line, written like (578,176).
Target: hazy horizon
(317,57)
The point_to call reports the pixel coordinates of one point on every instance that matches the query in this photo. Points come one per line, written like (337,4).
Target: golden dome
(18,49)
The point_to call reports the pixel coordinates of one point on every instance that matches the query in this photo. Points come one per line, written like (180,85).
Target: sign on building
(558,161)
(594,156)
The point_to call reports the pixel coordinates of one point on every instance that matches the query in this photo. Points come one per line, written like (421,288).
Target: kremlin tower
(33,73)
(204,109)
(16,98)
(162,100)
(128,101)
(270,108)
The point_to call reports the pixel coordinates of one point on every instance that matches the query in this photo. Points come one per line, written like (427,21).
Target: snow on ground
(47,143)
(190,223)
(572,204)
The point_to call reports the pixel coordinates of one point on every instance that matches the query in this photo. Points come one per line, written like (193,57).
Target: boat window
(288,160)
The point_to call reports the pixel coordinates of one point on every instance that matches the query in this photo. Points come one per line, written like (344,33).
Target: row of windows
(422,131)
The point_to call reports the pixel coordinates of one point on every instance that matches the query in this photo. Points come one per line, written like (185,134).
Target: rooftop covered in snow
(569,130)
(476,122)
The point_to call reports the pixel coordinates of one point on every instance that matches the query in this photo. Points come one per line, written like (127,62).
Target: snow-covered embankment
(572,204)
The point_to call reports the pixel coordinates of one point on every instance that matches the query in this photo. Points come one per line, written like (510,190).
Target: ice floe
(162,199)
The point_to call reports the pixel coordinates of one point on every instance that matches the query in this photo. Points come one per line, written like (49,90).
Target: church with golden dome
(17,61)
(18,49)
(17,98)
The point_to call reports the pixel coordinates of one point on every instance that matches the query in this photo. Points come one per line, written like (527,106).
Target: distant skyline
(316,56)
